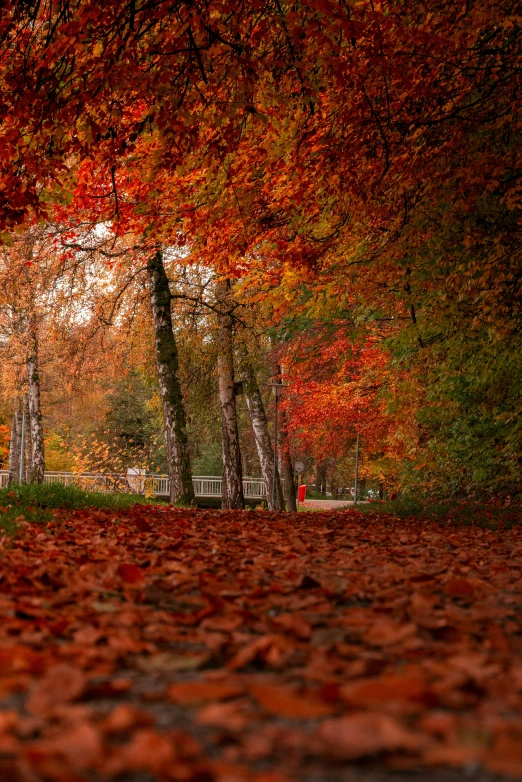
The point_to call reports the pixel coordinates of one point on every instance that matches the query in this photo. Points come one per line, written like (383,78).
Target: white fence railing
(159,485)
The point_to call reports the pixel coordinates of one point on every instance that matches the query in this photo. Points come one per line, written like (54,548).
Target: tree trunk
(232,482)
(15,445)
(175,421)
(259,421)
(26,472)
(287,468)
(321,478)
(362,488)
(36,465)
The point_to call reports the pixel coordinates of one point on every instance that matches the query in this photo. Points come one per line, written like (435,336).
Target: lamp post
(276,390)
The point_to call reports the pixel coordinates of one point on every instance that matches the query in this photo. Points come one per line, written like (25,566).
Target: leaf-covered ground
(204,646)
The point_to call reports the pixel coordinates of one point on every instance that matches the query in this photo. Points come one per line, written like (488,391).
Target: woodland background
(338,182)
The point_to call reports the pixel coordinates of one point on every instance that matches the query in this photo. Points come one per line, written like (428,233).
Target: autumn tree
(26,302)
(260,428)
(180,471)
(371,147)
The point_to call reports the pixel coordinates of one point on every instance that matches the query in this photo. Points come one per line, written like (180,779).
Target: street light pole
(274,477)
(276,390)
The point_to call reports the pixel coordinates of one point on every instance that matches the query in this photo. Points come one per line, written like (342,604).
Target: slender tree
(36,465)
(258,418)
(27,443)
(175,422)
(232,483)
(14,445)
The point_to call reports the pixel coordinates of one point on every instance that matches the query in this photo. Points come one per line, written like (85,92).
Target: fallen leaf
(407,687)
(228,716)
(61,684)
(459,587)
(148,751)
(77,748)
(284,702)
(273,648)
(130,574)
(386,632)
(170,661)
(505,756)
(124,717)
(196,693)
(105,607)
(8,720)
(364,735)
(295,624)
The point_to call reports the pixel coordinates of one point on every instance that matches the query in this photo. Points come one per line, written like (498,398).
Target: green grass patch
(464,512)
(34,502)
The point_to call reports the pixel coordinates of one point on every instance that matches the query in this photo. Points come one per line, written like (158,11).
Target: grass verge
(33,502)
(467,513)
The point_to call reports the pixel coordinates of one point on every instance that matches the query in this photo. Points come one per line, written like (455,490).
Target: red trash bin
(301,493)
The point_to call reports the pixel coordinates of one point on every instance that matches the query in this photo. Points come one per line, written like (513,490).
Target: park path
(210,646)
(326,504)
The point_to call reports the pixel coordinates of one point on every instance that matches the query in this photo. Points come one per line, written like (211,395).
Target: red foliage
(334,394)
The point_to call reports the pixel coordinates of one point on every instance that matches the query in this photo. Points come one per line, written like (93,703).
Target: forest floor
(152,643)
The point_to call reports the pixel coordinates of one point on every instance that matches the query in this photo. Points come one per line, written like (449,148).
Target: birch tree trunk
(36,465)
(15,446)
(259,422)
(26,472)
(167,362)
(287,468)
(232,482)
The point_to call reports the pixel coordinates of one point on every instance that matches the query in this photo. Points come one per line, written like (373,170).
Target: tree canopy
(354,167)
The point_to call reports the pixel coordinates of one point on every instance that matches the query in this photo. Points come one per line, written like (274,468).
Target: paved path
(328,504)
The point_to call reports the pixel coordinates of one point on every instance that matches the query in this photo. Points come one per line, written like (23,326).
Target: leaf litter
(209,646)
